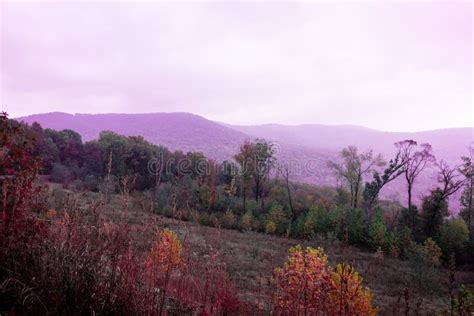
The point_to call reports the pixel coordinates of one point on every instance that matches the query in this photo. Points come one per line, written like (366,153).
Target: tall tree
(467,170)
(417,159)
(372,189)
(264,161)
(285,170)
(435,206)
(354,167)
(246,160)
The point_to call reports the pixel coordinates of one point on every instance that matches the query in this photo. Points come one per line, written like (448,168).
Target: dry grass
(251,257)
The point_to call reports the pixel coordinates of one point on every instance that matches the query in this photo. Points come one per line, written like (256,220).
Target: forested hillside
(82,231)
(308,147)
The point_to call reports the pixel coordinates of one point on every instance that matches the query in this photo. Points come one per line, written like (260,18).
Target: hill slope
(448,144)
(308,147)
(177,131)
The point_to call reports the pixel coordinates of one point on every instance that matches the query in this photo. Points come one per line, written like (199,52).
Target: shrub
(61,174)
(74,262)
(162,263)
(279,218)
(432,252)
(228,220)
(348,297)
(205,219)
(310,222)
(305,285)
(270,227)
(377,232)
(246,220)
(356,227)
(422,259)
(453,238)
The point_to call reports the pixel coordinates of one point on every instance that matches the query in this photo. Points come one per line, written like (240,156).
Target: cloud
(391,66)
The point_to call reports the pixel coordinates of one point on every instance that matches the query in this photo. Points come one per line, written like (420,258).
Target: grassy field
(250,258)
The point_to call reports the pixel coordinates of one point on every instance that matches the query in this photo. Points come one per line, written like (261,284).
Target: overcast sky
(391,66)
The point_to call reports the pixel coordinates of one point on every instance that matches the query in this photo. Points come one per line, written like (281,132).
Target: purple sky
(392,66)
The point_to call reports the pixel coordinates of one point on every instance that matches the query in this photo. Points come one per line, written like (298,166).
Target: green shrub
(453,238)
(356,227)
(377,232)
(423,259)
(246,220)
(228,220)
(279,218)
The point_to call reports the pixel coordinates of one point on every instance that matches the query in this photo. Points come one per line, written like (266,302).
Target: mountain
(307,148)
(448,144)
(177,131)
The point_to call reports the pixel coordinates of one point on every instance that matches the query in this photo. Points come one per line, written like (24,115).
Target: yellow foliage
(165,254)
(432,252)
(348,297)
(51,213)
(270,228)
(305,285)
(302,283)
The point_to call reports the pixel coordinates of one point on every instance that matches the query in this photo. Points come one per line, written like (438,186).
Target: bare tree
(448,177)
(353,168)
(285,171)
(417,158)
(435,206)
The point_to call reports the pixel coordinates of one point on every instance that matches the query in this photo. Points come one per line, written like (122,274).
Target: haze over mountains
(310,146)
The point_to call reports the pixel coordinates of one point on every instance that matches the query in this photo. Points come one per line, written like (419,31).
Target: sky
(396,66)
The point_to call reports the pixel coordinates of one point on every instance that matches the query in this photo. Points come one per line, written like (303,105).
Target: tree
(416,158)
(18,171)
(285,171)
(114,146)
(303,283)
(306,285)
(353,168)
(453,237)
(449,179)
(433,210)
(410,218)
(377,232)
(93,157)
(211,183)
(348,296)
(246,160)
(164,260)
(435,206)
(372,189)
(467,170)
(43,148)
(264,161)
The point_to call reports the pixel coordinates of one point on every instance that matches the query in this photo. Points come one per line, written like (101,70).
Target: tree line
(255,192)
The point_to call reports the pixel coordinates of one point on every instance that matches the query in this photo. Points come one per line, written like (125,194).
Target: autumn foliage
(165,254)
(79,261)
(348,296)
(306,285)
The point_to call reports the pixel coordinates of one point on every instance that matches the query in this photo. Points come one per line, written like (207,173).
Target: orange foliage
(165,254)
(305,285)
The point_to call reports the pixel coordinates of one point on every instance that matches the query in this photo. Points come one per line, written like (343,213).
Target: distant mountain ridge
(445,142)
(308,144)
(177,131)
